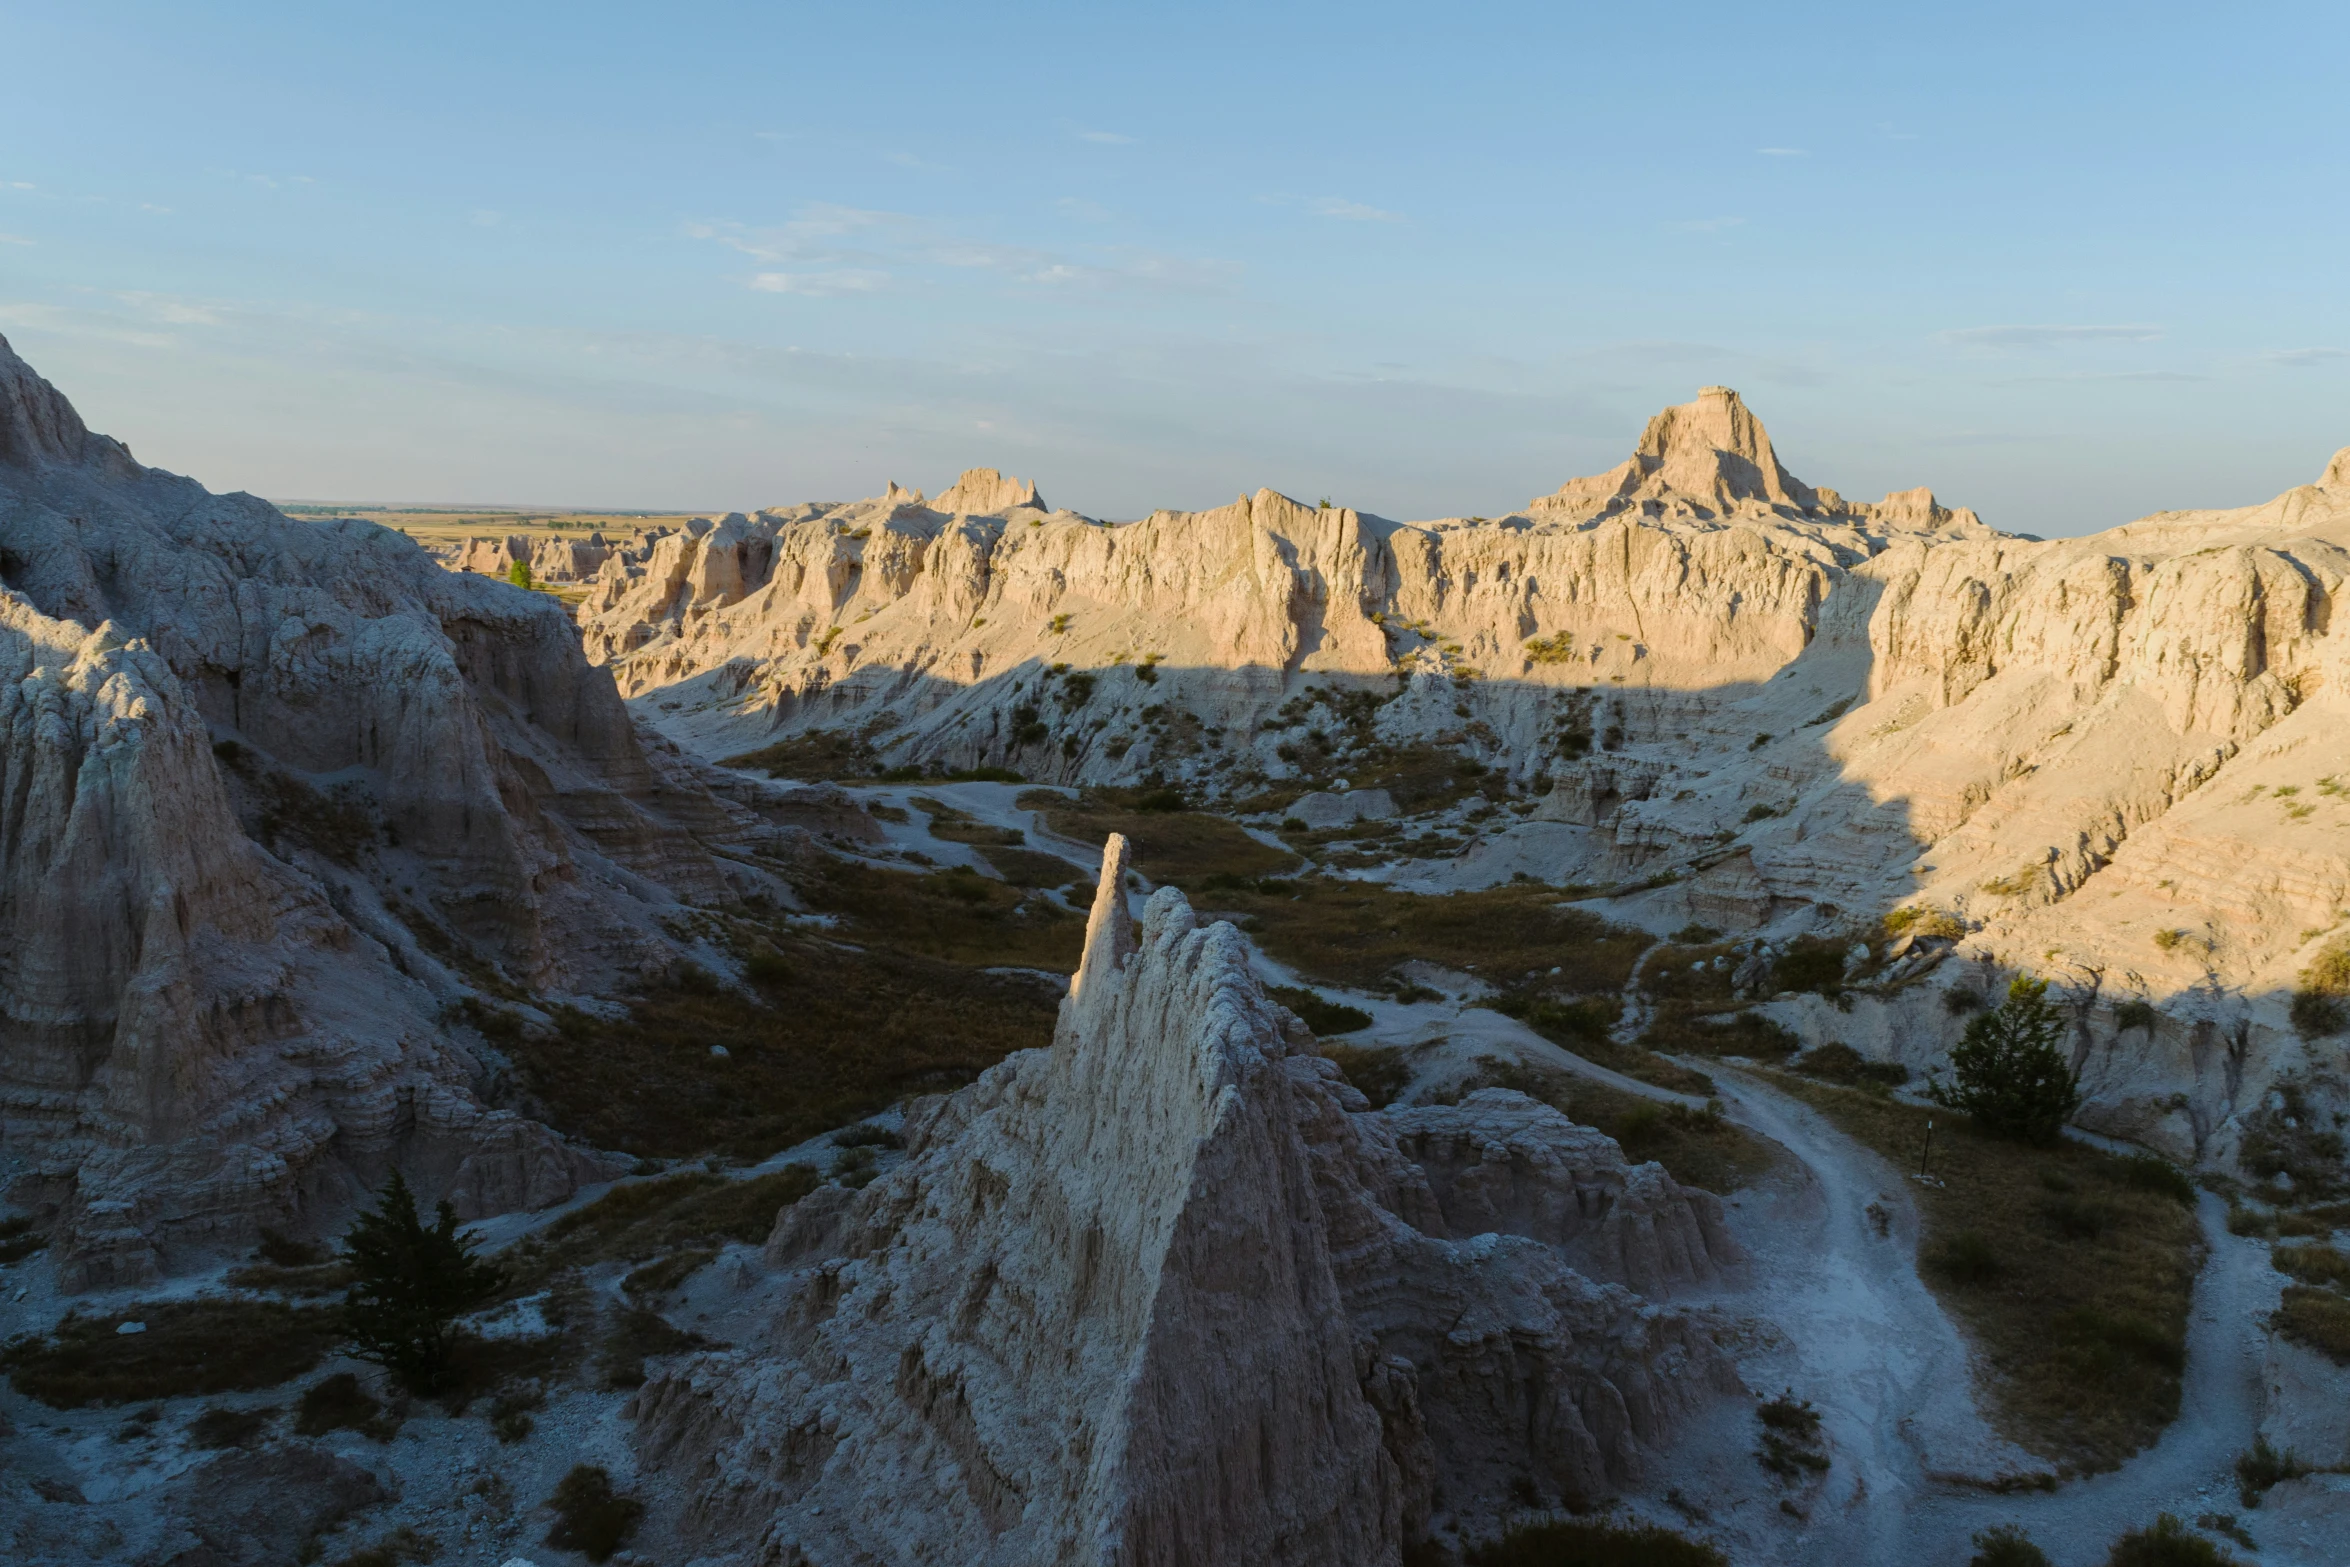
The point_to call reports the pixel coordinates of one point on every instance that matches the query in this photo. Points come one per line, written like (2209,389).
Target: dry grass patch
(1358,933)
(820,757)
(955,916)
(188,1348)
(1178,846)
(1587,1542)
(2318,1318)
(2071,1276)
(691,1213)
(833,1036)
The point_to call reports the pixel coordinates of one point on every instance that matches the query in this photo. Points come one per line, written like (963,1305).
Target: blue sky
(2065,265)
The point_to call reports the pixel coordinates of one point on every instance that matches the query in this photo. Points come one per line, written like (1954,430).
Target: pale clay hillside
(975,1034)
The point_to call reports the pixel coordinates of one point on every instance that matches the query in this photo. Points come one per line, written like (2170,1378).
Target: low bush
(2135,1014)
(510,1412)
(2292,1140)
(590,1517)
(2261,1466)
(1586,1542)
(664,1274)
(1324,1016)
(189,1348)
(221,1427)
(341,1403)
(2167,1543)
(2319,1002)
(2007,1546)
(1810,963)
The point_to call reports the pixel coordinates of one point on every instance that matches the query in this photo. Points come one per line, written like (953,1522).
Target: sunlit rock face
(262,785)
(1800,709)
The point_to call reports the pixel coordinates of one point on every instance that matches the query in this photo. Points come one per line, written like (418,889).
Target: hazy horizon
(2066,270)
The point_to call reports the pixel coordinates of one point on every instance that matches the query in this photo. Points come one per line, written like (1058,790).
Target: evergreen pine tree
(2013,1074)
(413,1284)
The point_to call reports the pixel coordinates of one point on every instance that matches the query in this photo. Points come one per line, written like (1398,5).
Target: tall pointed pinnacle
(1109,929)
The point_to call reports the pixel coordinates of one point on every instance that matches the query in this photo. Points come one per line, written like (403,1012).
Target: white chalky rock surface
(257,779)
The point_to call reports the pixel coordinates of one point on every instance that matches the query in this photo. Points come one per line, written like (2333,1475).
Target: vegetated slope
(273,795)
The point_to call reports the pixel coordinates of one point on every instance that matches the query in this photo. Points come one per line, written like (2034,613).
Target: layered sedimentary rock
(1170,1292)
(2114,758)
(265,787)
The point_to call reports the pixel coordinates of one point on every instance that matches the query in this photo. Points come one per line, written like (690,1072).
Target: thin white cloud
(1082,210)
(812,235)
(171,309)
(1350,211)
(2156,376)
(2045,337)
(14,239)
(1783,152)
(2305,358)
(1706,225)
(1146,268)
(485,218)
(1106,138)
(821,285)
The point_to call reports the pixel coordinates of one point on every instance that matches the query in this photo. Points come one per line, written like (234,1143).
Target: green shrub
(2012,1078)
(18,1240)
(2168,1543)
(1810,964)
(413,1284)
(2262,1466)
(2135,1014)
(590,1517)
(2007,1546)
(1583,1542)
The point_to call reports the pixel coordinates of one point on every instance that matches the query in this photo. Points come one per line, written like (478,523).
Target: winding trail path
(1895,1387)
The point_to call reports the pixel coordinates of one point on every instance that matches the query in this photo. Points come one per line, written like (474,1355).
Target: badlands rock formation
(1171,1293)
(2113,758)
(267,790)
(549,559)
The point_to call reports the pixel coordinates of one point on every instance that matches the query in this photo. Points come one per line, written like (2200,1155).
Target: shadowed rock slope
(272,797)
(1170,1292)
